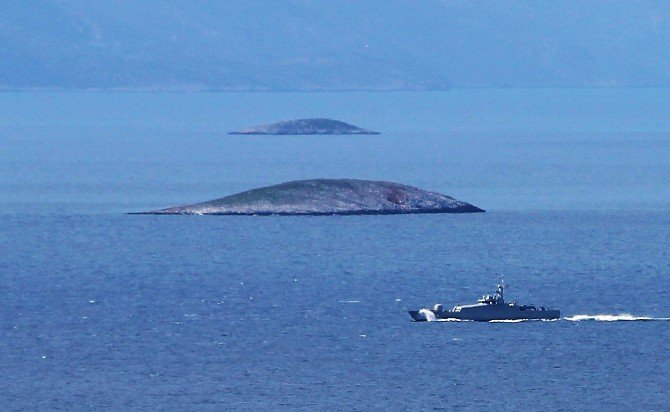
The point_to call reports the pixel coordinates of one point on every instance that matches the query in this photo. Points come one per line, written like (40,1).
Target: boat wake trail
(613,318)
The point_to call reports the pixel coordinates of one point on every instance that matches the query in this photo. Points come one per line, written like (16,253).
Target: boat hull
(486,314)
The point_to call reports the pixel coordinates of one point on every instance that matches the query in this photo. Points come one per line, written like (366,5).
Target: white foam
(508,320)
(428,314)
(605,317)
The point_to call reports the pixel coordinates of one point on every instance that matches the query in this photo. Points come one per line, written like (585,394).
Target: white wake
(604,317)
(509,320)
(453,320)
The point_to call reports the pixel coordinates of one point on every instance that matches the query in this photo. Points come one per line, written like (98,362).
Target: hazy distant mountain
(332,45)
(305,127)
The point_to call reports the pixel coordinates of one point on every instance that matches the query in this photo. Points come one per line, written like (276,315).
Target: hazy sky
(333,45)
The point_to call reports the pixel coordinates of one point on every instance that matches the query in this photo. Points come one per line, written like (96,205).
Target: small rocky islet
(319,126)
(327,197)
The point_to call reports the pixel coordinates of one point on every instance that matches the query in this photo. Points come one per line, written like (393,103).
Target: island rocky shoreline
(320,197)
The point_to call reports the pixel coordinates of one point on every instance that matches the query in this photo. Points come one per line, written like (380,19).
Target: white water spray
(428,314)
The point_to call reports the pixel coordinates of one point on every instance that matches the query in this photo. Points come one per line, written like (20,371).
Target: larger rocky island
(305,126)
(327,197)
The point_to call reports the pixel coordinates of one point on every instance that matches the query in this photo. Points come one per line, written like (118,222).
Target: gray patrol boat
(486,309)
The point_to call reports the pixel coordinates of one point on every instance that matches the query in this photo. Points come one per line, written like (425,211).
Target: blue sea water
(102,309)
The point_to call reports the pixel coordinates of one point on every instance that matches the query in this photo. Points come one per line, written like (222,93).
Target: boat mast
(501,288)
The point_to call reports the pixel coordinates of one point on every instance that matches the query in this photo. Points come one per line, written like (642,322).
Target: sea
(104,310)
